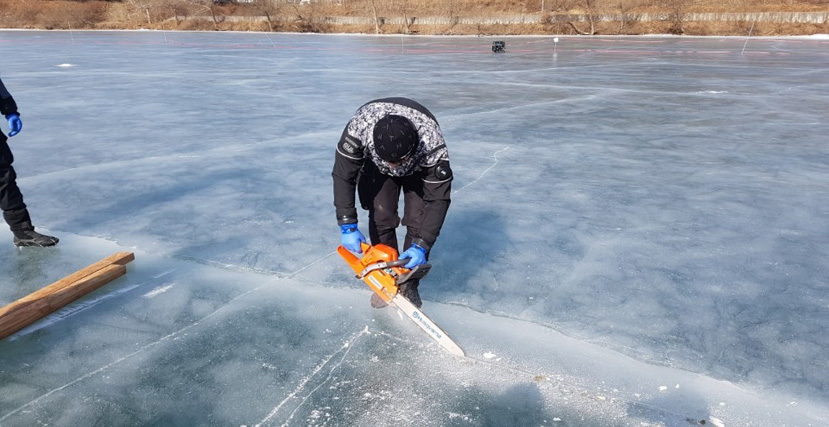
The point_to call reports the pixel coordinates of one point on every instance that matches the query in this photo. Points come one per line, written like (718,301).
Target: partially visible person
(11,200)
(389,146)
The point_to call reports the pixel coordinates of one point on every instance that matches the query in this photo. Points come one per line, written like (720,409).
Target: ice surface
(637,235)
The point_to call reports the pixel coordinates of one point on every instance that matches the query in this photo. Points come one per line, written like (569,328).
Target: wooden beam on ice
(39,304)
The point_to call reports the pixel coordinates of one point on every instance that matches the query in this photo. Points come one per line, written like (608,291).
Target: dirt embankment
(458,17)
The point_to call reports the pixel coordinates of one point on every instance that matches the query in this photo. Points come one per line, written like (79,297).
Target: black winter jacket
(430,161)
(7,105)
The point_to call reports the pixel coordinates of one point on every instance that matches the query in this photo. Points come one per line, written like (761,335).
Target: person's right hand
(15,124)
(351,238)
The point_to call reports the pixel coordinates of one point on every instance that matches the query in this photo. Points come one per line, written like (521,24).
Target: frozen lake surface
(638,234)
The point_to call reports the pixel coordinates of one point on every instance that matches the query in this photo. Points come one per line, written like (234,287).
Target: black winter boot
(30,237)
(409,290)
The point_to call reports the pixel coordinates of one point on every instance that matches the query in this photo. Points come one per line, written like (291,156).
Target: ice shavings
(158,291)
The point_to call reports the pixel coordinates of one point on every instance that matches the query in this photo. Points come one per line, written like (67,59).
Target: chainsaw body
(381,270)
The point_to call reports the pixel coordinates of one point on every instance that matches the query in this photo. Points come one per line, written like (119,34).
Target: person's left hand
(15,124)
(416,256)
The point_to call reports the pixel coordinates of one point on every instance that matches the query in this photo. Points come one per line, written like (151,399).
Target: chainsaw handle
(382,265)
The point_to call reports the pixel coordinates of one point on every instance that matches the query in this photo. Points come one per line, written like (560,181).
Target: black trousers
(11,199)
(380,195)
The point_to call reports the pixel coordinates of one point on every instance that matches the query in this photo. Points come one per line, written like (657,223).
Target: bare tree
(403,8)
(558,17)
(179,9)
(140,9)
(589,6)
(270,10)
(202,6)
(376,21)
(676,14)
(625,16)
(451,9)
(306,14)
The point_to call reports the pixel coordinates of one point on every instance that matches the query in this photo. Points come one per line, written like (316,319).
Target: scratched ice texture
(638,233)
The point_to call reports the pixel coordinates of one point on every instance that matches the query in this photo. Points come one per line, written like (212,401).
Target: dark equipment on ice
(498,46)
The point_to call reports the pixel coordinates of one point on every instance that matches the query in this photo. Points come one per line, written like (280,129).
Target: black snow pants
(11,200)
(380,194)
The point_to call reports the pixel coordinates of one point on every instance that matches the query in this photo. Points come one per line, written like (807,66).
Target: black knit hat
(395,137)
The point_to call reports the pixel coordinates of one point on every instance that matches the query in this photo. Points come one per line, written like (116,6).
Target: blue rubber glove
(416,255)
(15,124)
(351,238)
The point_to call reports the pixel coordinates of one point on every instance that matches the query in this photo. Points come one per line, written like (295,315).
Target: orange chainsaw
(383,273)
(381,270)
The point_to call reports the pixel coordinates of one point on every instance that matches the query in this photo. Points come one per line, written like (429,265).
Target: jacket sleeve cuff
(346,219)
(422,243)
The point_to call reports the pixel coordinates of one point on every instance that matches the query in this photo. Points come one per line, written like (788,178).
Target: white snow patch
(489,355)
(717,422)
(158,291)
(65,65)
(454,415)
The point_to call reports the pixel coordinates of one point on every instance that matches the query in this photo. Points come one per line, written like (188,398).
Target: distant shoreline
(429,17)
(151,30)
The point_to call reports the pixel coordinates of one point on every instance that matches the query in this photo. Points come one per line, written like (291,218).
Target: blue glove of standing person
(351,238)
(416,256)
(15,124)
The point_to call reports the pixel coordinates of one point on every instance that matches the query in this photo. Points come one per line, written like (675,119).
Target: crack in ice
(495,163)
(345,349)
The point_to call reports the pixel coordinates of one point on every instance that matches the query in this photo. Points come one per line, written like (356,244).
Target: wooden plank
(120,258)
(30,313)
(41,303)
